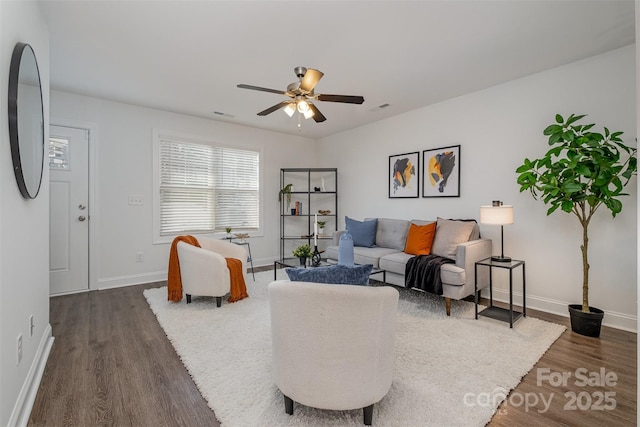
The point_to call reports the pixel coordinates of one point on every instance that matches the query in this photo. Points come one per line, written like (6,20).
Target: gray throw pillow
(449,234)
(363,232)
(334,274)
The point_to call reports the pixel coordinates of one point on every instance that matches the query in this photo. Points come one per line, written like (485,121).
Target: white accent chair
(203,270)
(333,345)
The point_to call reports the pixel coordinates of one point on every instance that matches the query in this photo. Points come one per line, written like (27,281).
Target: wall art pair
(440,173)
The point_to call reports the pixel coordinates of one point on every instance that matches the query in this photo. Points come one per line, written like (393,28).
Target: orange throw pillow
(420,239)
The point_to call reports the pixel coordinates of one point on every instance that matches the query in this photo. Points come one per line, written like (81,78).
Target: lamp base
(501,258)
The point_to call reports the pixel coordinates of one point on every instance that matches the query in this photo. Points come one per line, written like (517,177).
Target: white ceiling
(188,56)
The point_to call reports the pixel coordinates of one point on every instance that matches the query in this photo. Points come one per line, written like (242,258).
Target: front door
(69,210)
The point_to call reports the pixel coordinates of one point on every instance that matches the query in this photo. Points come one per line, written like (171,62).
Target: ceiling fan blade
(262,89)
(310,79)
(349,99)
(317,115)
(274,108)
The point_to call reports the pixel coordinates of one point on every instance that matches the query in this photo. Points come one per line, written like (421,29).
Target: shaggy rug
(451,371)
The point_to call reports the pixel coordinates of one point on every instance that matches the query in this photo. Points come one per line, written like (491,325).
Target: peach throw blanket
(174,281)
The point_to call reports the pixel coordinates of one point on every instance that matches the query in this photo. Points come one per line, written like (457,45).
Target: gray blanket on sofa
(423,272)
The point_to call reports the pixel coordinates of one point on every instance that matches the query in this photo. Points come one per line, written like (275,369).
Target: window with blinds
(204,189)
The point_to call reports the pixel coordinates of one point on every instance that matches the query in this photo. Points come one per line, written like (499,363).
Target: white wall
(497,128)
(24,233)
(122,144)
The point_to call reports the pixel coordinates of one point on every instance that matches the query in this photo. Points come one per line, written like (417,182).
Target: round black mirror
(26,120)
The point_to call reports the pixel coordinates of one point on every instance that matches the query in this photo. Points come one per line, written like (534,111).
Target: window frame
(158,136)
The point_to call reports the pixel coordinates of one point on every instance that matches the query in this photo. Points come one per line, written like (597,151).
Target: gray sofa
(391,236)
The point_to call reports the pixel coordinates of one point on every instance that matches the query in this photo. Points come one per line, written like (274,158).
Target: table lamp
(497,214)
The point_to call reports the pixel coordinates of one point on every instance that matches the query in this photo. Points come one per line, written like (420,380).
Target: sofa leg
(219,301)
(447,304)
(368,415)
(288,405)
(188,299)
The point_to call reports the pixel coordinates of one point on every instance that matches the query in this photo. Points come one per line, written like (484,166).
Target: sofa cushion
(449,234)
(451,274)
(395,262)
(420,239)
(334,274)
(363,232)
(392,233)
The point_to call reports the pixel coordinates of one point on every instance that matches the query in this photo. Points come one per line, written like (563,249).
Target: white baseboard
(612,319)
(131,279)
(26,397)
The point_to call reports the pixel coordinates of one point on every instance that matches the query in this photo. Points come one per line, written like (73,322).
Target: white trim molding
(26,398)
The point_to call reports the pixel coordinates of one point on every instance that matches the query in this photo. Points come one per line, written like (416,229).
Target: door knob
(82,207)
(82,218)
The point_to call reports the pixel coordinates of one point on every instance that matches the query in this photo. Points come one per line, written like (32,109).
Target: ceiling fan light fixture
(290,109)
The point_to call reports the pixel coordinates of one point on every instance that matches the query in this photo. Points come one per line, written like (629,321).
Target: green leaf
(567,206)
(559,118)
(550,130)
(574,119)
(571,187)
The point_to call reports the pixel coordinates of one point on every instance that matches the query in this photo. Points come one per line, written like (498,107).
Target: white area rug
(445,367)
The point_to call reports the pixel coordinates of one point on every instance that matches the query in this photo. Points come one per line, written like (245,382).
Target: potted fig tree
(583,171)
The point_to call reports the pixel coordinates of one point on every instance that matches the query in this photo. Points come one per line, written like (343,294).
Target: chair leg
(447,305)
(368,415)
(219,301)
(188,299)
(288,405)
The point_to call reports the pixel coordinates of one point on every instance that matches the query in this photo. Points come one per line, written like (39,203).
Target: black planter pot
(587,324)
(303,260)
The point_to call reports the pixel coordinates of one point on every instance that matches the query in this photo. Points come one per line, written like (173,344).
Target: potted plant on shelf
(582,172)
(321,225)
(302,252)
(286,190)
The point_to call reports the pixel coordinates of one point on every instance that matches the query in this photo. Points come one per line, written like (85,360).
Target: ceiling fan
(301,94)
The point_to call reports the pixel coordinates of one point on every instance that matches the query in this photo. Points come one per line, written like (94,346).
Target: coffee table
(295,262)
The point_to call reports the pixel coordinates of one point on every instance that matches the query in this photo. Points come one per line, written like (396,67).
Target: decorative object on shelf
(228,230)
(345,249)
(286,190)
(321,225)
(324,212)
(581,172)
(316,189)
(316,257)
(497,214)
(441,172)
(242,236)
(404,171)
(302,252)
(322,186)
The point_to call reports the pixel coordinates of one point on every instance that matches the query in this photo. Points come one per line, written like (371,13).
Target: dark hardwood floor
(111,364)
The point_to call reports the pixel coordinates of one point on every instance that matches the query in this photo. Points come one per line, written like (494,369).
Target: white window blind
(205,189)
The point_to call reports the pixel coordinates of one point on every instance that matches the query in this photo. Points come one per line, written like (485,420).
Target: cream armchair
(204,271)
(333,345)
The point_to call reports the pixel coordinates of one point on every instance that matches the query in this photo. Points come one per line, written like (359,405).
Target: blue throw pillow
(334,274)
(363,232)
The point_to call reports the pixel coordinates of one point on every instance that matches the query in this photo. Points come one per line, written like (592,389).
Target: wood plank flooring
(112,365)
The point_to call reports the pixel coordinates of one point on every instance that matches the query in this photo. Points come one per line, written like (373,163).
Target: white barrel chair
(203,270)
(333,345)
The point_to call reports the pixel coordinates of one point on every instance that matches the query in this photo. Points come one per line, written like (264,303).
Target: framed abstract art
(441,177)
(404,175)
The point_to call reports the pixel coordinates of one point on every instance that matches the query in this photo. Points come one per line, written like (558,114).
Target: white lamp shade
(290,109)
(308,114)
(497,215)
